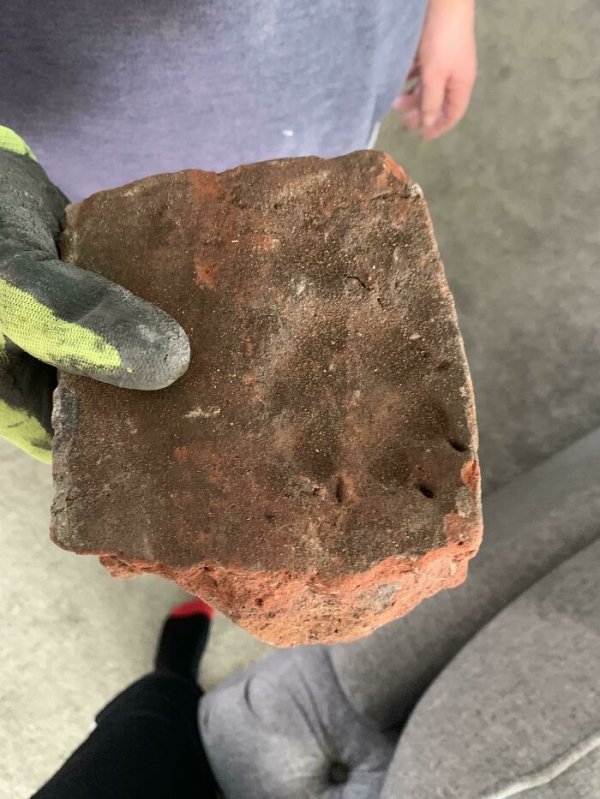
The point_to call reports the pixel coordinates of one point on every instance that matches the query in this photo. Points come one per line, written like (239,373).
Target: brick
(314,473)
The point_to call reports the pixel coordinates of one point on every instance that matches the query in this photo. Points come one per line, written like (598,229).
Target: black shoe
(183,639)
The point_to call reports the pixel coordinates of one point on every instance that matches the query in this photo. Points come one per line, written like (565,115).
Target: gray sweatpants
(490,690)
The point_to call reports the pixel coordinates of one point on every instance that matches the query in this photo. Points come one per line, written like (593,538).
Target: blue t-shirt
(108,92)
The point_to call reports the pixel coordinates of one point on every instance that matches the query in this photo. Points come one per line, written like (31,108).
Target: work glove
(55,315)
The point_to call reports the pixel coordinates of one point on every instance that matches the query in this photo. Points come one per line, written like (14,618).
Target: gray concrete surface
(515,198)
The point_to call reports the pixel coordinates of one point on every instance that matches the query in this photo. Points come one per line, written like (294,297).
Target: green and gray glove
(53,314)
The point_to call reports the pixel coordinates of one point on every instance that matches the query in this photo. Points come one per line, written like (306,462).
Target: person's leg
(533,525)
(146,743)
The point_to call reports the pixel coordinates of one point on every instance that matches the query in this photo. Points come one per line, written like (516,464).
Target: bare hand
(443,74)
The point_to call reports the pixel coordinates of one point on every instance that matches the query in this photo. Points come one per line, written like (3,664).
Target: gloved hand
(53,314)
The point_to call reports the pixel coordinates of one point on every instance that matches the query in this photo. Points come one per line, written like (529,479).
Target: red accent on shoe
(196,607)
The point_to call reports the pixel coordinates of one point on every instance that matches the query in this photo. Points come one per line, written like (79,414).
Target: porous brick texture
(314,474)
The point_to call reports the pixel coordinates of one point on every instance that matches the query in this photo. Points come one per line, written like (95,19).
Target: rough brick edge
(288,609)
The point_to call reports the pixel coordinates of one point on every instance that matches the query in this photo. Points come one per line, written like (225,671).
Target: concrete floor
(515,199)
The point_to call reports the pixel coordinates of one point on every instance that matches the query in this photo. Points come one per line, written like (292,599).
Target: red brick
(314,473)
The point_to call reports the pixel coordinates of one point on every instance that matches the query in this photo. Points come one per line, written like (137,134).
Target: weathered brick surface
(314,474)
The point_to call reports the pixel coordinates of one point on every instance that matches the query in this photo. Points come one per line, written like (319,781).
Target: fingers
(423,105)
(458,96)
(67,317)
(82,323)
(456,102)
(422,108)
(412,119)
(408,101)
(26,387)
(411,96)
(433,91)
(409,104)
